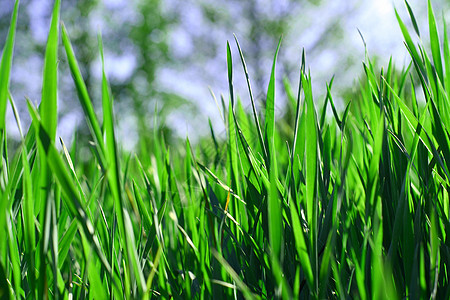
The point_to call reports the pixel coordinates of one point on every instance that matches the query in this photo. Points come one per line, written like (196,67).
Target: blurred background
(162,56)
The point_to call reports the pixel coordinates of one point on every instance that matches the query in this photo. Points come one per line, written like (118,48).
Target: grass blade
(49,114)
(413,18)
(5,68)
(435,45)
(48,108)
(269,125)
(409,41)
(84,98)
(252,100)
(301,246)
(113,173)
(28,217)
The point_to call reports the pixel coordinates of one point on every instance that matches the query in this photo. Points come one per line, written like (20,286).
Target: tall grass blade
(252,100)
(84,98)
(269,124)
(298,144)
(275,207)
(125,227)
(5,68)
(5,74)
(311,177)
(446,46)
(230,75)
(48,108)
(409,41)
(49,113)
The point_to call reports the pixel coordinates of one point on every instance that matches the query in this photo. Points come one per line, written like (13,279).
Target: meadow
(326,204)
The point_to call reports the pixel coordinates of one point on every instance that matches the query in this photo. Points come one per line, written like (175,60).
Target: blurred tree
(186,37)
(146,36)
(258,24)
(136,29)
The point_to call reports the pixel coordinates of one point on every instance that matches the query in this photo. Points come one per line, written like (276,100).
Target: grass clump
(352,205)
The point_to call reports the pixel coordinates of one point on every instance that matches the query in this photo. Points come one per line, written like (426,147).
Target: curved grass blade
(252,100)
(409,41)
(413,19)
(152,273)
(410,117)
(84,98)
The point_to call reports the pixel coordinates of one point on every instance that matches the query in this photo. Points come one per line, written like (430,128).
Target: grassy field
(348,204)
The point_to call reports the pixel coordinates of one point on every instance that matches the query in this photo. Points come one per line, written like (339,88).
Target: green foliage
(349,205)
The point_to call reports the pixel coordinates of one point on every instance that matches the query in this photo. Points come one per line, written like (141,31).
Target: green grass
(353,204)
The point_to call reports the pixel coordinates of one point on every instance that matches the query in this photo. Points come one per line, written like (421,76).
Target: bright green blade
(446,46)
(301,246)
(84,98)
(5,68)
(233,172)
(269,124)
(275,206)
(49,119)
(311,176)
(409,41)
(413,18)
(66,241)
(298,143)
(311,150)
(97,289)
(48,107)
(5,73)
